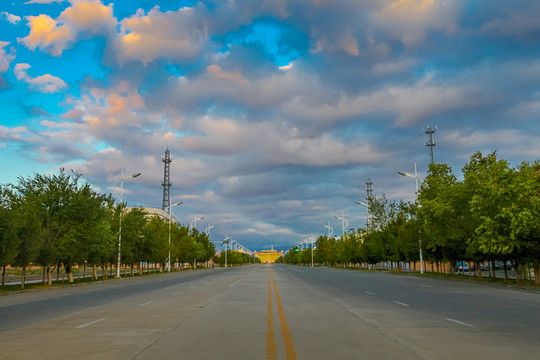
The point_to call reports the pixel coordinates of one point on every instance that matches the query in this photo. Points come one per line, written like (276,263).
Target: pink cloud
(43,83)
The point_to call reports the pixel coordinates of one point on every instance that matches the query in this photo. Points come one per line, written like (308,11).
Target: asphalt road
(272,312)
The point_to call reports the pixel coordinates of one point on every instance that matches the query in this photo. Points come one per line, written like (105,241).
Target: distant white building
(150,212)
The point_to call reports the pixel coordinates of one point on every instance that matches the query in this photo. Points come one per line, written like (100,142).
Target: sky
(276,112)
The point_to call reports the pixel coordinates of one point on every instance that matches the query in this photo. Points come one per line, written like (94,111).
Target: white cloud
(5,57)
(12,19)
(43,83)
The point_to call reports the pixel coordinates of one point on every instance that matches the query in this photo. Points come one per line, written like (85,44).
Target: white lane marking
(349,286)
(459,322)
(234,283)
(147,303)
(426,286)
(400,303)
(90,323)
(369,293)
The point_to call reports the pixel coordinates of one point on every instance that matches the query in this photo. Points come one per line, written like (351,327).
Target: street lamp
(225,242)
(415,176)
(169,211)
(207,230)
(368,220)
(330,229)
(195,221)
(342,218)
(122,178)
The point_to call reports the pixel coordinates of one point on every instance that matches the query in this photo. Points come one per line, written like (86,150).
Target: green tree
(9,241)
(155,233)
(134,247)
(489,179)
(441,214)
(524,212)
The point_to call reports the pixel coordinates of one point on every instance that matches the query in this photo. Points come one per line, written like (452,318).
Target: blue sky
(275,112)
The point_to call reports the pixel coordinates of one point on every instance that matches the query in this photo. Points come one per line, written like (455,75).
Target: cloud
(518,22)
(12,19)
(44,1)
(410,20)
(43,83)
(176,35)
(5,57)
(48,34)
(407,104)
(56,35)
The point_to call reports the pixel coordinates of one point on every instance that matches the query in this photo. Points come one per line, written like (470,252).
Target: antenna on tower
(430,143)
(166,204)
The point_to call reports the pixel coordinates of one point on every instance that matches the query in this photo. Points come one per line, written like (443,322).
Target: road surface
(272,312)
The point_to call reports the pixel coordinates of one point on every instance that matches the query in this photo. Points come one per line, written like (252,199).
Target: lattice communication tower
(430,143)
(369,192)
(166,182)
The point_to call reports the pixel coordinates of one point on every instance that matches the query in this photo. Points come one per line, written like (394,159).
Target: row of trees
(491,213)
(54,221)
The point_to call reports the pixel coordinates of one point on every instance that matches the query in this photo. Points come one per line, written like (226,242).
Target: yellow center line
(290,353)
(270,339)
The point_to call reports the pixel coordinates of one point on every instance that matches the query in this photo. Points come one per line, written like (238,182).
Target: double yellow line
(290,354)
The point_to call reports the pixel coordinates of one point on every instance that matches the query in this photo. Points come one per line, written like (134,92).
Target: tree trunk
(537,275)
(69,272)
(505,272)
(23,277)
(104,272)
(3,275)
(477,265)
(94,272)
(139,269)
(49,275)
(516,270)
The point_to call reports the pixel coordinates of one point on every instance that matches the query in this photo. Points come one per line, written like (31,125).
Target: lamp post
(169,208)
(195,221)
(225,242)
(415,176)
(368,220)
(342,218)
(207,230)
(330,229)
(122,178)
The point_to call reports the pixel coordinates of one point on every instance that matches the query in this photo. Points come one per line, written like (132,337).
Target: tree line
(56,221)
(490,213)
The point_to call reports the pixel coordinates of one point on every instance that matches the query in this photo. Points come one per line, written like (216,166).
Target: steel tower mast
(369,191)
(430,143)
(165,205)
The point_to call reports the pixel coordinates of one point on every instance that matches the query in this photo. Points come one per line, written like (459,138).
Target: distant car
(462,266)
